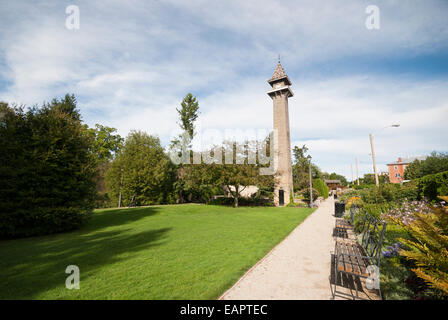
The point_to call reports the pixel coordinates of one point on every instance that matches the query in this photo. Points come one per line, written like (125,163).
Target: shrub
(47,170)
(306,194)
(321,188)
(221,201)
(387,193)
(408,191)
(428,247)
(433,185)
(251,201)
(374,209)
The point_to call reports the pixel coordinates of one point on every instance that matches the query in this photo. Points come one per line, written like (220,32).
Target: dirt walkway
(298,268)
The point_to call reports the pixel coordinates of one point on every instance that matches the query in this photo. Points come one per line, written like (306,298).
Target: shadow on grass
(116,217)
(34,265)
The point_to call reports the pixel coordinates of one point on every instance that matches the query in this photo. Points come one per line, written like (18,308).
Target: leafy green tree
(335,176)
(300,153)
(195,183)
(236,176)
(188,113)
(141,168)
(435,163)
(66,105)
(321,188)
(300,168)
(413,170)
(106,143)
(369,178)
(186,187)
(48,171)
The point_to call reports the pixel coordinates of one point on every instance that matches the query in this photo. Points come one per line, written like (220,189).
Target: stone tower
(283,177)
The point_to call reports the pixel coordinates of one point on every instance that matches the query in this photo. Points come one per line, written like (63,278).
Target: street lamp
(311,182)
(373,152)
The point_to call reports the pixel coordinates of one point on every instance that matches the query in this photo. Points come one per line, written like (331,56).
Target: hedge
(433,185)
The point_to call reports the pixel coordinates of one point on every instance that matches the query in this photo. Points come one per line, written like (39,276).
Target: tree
(105,142)
(105,145)
(335,176)
(236,176)
(47,169)
(142,168)
(369,178)
(188,113)
(435,163)
(321,188)
(195,183)
(300,168)
(413,170)
(185,186)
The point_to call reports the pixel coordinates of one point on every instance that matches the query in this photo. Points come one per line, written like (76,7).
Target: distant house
(333,184)
(245,191)
(396,169)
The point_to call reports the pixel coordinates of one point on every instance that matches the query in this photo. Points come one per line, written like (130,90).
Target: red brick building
(396,169)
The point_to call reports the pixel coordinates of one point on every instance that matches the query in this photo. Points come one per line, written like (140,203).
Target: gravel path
(297,268)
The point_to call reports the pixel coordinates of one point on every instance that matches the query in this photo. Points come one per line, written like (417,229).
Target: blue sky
(131,63)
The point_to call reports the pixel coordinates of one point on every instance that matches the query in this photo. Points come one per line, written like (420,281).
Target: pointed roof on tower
(279,74)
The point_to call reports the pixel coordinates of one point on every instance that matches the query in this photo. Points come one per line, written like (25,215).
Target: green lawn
(163,252)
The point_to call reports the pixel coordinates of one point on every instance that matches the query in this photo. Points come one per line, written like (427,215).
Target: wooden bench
(344,228)
(352,257)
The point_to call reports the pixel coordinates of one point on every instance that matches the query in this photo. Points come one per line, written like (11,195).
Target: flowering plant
(406,212)
(392,250)
(353,200)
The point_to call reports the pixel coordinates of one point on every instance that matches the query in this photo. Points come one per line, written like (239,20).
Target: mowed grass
(161,252)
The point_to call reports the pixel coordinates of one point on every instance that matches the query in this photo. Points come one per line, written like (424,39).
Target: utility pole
(374,160)
(373,152)
(357,171)
(351,169)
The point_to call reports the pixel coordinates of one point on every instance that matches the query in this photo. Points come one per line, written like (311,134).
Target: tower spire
(280,92)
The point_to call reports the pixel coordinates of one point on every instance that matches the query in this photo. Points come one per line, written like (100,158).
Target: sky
(130,63)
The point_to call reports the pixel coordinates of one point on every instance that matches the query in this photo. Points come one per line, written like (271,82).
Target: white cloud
(131,64)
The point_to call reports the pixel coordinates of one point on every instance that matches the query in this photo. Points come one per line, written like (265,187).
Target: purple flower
(392,250)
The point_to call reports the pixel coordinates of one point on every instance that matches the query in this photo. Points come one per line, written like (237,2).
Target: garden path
(297,268)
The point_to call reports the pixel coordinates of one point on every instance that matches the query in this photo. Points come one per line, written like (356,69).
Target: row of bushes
(251,201)
(428,187)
